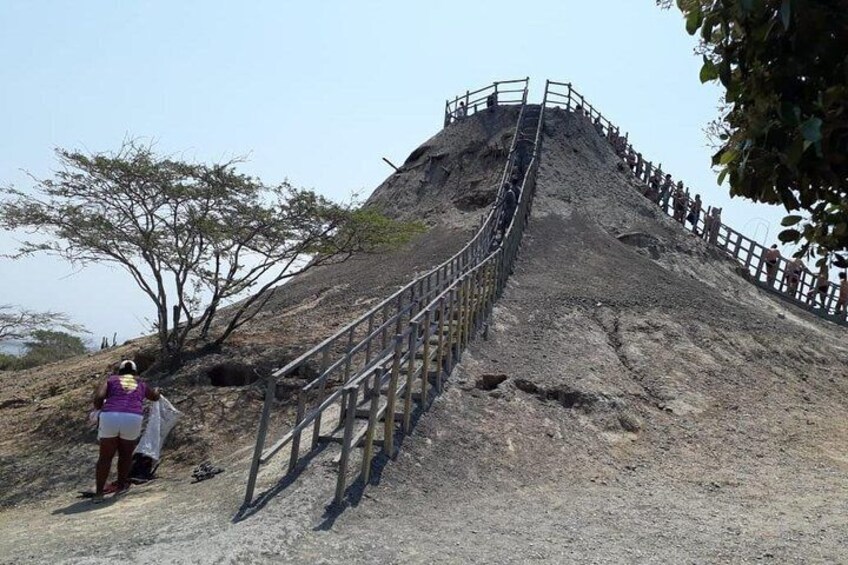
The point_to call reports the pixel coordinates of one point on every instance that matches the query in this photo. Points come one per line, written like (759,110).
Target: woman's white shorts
(119,424)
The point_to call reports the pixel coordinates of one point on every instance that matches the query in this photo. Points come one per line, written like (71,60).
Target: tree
(48,346)
(784,131)
(194,237)
(18,324)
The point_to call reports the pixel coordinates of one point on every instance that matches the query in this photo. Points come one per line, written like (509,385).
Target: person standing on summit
(843,295)
(461,111)
(794,270)
(695,213)
(120,400)
(771,258)
(821,287)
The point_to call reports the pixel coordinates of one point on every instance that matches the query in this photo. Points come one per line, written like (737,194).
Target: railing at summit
(499,93)
(378,357)
(749,253)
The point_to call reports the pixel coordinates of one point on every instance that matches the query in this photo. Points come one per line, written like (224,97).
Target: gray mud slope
(656,408)
(448,183)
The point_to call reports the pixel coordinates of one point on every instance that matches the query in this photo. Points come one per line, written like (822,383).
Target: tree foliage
(18,324)
(783,138)
(42,347)
(194,237)
(48,346)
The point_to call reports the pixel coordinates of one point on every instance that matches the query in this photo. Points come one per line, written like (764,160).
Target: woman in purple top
(120,401)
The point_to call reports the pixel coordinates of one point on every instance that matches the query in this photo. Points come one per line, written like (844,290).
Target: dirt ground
(655,408)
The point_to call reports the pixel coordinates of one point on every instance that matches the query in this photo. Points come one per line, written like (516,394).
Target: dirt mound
(448,183)
(636,401)
(655,406)
(455,172)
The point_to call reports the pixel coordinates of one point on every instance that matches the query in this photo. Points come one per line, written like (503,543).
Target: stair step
(366,413)
(337,435)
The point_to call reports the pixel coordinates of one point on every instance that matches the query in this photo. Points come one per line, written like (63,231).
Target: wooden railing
(749,253)
(498,93)
(433,339)
(361,350)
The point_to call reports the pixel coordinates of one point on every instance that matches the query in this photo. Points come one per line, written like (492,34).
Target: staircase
(396,357)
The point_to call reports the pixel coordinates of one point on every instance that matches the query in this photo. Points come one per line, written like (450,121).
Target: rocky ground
(651,407)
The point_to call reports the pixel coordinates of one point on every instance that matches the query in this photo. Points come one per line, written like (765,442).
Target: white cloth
(161,419)
(119,424)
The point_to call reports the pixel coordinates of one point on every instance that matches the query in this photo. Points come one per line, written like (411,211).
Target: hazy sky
(317,92)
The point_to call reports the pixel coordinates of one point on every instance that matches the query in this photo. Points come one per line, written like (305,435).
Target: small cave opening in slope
(490,382)
(230,374)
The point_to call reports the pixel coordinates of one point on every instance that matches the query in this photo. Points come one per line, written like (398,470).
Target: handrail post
(349,400)
(295,447)
(322,385)
(260,441)
(368,451)
(452,297)
(425,365)
(389,430)
(441,345)
(413,347)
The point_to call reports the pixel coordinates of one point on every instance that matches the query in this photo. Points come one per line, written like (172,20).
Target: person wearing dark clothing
(771,258)
(679,203)
(665,192)
(653,192)
(695,213)
(599,127)
(510,203)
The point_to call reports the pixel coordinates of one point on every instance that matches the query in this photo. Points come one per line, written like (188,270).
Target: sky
(317,93)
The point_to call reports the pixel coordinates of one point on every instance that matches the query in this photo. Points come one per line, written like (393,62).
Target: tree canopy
(783,132)
(194,237)
(18,324)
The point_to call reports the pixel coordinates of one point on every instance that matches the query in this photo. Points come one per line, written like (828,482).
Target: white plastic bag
(160,421)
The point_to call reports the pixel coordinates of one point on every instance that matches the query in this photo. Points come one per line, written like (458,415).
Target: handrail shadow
(246,511)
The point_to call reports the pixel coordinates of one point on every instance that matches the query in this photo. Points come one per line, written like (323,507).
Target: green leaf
(728,156)
(693,20)
(790,221)
(789,236)
(709,71)
(811,130)
(785,13)
(721,176)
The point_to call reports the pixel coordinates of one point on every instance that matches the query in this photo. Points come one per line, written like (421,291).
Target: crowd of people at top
(661,190)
